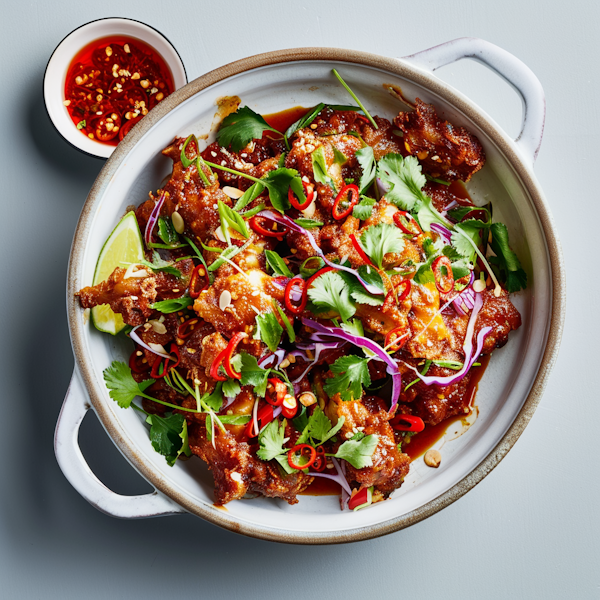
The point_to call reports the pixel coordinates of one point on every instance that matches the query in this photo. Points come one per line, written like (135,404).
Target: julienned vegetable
(304,304)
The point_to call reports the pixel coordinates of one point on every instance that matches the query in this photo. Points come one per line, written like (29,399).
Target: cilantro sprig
(351,373)
(241,127)
(379,240)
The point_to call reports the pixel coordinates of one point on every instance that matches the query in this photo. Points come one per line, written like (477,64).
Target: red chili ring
(309,193)
(258,228)
(296,308)
(216,363)
(198,272)
(228,352)
(436,267)
(388,338)
(407,423)
(410,220)
(136,365)
(186,329)
(360,251)
(352,189)
(301,448)
(320,463)
(280,390)
(318,274)
(155,373)
(406,284)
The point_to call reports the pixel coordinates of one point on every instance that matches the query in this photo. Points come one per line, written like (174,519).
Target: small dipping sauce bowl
(60,63)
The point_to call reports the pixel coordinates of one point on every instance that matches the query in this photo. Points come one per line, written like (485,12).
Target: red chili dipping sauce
(112,83)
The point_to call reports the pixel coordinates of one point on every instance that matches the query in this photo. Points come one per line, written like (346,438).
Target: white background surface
(530,530)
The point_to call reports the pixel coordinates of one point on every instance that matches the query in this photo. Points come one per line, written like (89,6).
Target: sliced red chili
(297,452)
(407,223)
(443,281)
(186,329)
(407,423)
(405,286)
(289,407)
(136,363)
(199,281)
(309,192)
(216,363)
(398,333)
(157,372)
(363,118)
(264,416)
(123,131)
(362,498)
(279,388)
(320,463)
(318,274)
(342,209)
(255,224)
(359,249)
(228,353)
(296,308)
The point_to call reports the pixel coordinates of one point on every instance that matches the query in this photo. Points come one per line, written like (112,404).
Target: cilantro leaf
(171,306)
(214,400)
(277,264)
(506,260)
(339,158)
(229,218)
(427,215)
(458,214)
(253,375)
(158,264)
(278,183)
(358,292)
(380,239)
(270,440)
(366,159)
(330,292)
(241,127)
(351,373)
(359,452)
(461,235)
(231,388)
(305,121)
(268,330)
(123,388)
(424,274)
(169,436)
(404,178)
(234,419)
(364,209)
(318,428)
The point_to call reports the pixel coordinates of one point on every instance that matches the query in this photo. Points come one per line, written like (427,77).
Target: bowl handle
(79,474)
(515,72)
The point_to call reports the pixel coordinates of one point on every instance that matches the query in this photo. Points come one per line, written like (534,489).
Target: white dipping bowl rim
(58,65)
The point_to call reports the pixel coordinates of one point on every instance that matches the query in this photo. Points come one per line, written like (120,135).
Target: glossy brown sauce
(282,120)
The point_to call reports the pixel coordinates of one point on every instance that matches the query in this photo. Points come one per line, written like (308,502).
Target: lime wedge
(124,245)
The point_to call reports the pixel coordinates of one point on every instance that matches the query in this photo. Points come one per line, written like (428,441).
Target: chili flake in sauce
(112,83)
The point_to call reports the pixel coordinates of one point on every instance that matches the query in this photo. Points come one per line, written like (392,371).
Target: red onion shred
(153,219)
(336,332)
(138,340)
(283,220)
(442,231)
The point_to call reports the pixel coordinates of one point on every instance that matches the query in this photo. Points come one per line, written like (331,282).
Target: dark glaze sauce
(282,120)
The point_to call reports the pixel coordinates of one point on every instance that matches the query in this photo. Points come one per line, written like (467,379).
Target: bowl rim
(554,323)
(66,37)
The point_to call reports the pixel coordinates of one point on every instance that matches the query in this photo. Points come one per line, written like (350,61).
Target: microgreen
(317,429)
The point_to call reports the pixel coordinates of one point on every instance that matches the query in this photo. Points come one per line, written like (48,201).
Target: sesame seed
(191,351)
(139,353)
(349,434)
(213,153)
(223,163)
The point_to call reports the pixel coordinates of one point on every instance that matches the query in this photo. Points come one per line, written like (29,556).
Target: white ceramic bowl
(56,72)
(514,381)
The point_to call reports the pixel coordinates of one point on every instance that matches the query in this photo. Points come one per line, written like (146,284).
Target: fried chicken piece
(236,471)
(131,297)
(443,150)
(390,466)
